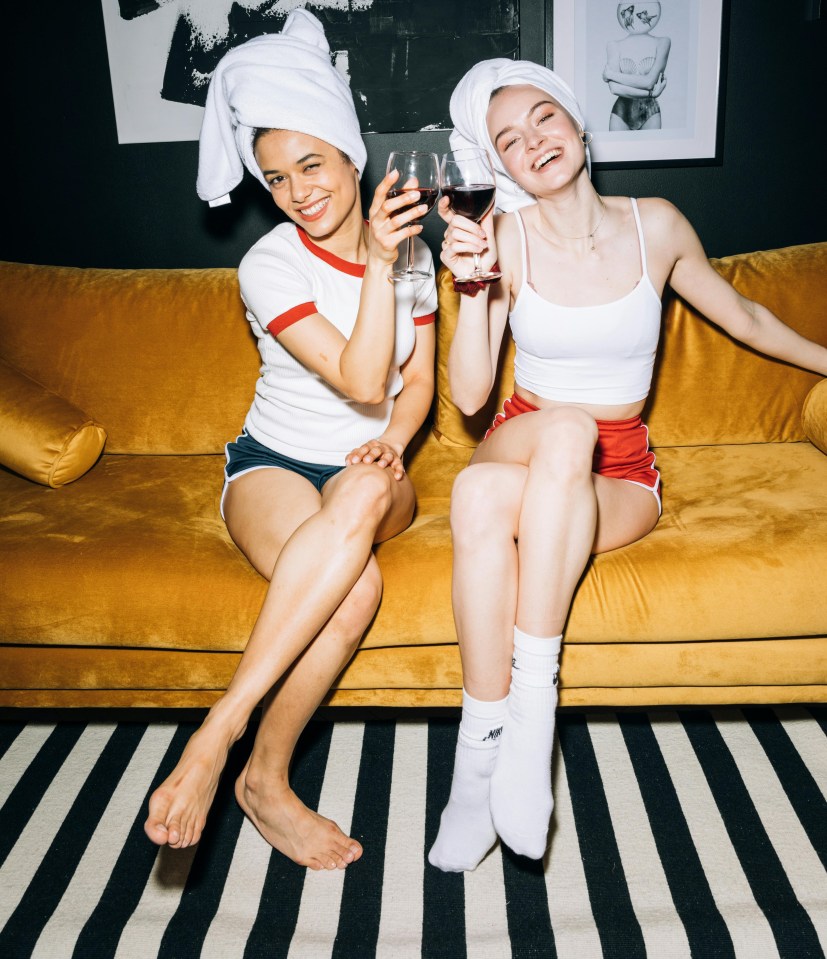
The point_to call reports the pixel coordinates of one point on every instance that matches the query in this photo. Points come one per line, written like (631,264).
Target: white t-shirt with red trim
(286,277)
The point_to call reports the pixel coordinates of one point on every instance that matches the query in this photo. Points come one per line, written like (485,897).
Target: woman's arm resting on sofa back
(696,281)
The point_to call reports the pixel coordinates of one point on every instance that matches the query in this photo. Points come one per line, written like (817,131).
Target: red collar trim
(344,266)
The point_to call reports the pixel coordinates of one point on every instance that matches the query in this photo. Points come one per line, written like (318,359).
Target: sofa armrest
(814,415)
(43,436)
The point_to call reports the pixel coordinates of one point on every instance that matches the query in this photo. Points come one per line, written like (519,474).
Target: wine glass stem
(476,264)
(410,255)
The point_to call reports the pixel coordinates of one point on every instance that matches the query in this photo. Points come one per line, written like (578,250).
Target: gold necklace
(591,233)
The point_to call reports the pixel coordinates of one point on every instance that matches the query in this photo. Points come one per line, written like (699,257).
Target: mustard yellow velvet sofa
(119,585)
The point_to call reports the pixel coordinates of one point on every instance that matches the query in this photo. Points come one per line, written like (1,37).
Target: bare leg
(263,789)
(535,484)
(531,482)
(327,545)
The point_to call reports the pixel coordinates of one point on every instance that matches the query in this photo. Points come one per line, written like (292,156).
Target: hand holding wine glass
(467,180)
(418,175)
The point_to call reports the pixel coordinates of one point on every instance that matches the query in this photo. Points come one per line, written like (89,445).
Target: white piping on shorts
(652,489)
(235,476)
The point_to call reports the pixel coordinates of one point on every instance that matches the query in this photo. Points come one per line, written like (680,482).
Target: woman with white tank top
(565,470)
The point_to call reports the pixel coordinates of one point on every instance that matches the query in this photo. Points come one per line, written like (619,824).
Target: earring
(586,137)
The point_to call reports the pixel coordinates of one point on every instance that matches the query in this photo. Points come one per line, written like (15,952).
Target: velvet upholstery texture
(42,436)
(814,416)
(125,589)
(163,358)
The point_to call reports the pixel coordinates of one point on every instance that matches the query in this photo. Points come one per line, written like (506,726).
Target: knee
(366,494)
(473,503)
(566,438)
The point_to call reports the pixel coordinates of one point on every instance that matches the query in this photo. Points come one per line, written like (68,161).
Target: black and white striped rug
(691,833)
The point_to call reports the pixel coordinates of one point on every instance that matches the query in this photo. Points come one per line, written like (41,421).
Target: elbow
(468,401)
(468,406)
(368,397)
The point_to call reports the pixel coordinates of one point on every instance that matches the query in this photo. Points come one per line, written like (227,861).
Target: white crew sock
(466,832)
(521,800)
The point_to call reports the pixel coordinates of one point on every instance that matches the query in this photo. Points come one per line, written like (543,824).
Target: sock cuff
(537,645)
(482,722)
(484,709)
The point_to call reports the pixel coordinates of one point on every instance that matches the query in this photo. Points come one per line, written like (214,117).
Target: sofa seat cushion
(738,521)
(137,556)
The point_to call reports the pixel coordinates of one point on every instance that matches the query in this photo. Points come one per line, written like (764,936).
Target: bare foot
(289,826)
(178,808)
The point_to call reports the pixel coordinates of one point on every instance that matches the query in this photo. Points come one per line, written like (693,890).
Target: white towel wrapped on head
(281,81)
(469,105)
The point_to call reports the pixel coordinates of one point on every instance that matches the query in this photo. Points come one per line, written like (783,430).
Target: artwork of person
(636,68)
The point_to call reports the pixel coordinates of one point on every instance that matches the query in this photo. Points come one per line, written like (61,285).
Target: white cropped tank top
(586,354)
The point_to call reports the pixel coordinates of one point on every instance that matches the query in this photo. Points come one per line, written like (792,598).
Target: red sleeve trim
(280,323)
(424,320)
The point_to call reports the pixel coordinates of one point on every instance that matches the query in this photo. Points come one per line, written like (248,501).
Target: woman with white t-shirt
(317,475)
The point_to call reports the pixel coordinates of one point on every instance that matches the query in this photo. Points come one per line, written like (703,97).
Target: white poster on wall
(138,50)
(402,58)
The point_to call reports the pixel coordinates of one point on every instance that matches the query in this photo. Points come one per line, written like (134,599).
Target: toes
(157,832)
(156,826)
(342,854)
(175,833)
(189,835)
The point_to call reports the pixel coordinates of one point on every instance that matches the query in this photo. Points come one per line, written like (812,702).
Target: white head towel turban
(282,81)
(469,105)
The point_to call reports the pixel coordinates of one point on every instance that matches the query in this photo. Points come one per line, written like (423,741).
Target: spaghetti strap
(641,241)
(524,239)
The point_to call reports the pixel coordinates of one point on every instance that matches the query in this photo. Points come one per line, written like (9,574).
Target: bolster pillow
(814,416)
(43,436)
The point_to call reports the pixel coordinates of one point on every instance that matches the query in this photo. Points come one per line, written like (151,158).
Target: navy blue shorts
(247,454)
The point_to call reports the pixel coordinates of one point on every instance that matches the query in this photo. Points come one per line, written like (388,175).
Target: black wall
(74,196)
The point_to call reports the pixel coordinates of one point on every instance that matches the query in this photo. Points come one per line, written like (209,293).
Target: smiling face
(537,141)
(310,180)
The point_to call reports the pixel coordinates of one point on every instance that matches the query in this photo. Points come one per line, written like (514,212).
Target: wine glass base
(483,276)
(402,276)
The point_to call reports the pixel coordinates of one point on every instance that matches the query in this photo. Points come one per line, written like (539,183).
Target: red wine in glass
(426,196)
(417,171)
(472,201)
(467,179)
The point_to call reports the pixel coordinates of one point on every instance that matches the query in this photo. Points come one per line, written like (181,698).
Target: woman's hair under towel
(282,81)
(259,132)
(469,106)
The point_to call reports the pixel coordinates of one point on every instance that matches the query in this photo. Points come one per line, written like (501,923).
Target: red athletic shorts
(622,450)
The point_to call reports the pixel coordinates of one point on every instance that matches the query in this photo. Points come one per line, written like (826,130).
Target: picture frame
(401,60)
(678,121)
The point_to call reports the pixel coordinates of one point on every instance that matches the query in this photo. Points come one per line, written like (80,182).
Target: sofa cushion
(156,567)
(165,358)
(814,416)
(43,436)
(707,388)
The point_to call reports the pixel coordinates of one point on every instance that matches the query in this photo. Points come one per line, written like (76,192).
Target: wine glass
(417,171)
(467,179)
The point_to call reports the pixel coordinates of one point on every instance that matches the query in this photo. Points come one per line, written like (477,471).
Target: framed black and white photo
(649,77)
(402,59)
